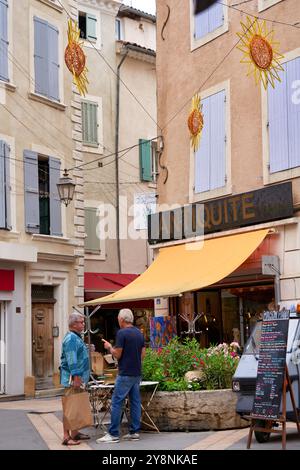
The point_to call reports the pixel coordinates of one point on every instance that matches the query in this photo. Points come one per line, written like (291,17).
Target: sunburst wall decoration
(196,122)
(75,58)
(260,52)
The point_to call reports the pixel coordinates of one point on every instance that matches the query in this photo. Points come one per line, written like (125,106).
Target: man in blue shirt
(74,368)
(129,351)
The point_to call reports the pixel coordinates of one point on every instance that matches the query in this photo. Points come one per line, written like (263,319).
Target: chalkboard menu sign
(271,365)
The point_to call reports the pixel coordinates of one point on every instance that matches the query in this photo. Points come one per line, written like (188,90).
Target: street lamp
(66,188)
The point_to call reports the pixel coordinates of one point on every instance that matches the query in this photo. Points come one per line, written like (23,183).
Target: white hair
(126,315)
(74,317)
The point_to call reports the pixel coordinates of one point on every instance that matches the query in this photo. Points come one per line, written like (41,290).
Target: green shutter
(145,160)
(90,123)
(92,242)
(91,22)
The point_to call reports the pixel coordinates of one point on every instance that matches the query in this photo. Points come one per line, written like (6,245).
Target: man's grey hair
(126,314)
(74,317)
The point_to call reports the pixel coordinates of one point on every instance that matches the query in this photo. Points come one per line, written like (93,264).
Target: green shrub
(169,365)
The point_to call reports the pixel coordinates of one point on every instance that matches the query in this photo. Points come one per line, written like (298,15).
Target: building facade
(41,241)
(249,146)
(120,172)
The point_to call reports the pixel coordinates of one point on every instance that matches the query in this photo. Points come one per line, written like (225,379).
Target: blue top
(132,342)
(74,359)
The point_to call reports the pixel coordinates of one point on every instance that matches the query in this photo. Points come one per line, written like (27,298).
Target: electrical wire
(112,69)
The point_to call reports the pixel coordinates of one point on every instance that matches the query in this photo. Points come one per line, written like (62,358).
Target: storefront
(228,265)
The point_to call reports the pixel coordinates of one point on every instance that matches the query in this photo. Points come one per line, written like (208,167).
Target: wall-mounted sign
(239,210)
(7,280)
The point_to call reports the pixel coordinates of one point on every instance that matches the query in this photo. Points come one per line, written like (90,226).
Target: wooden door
(42,345)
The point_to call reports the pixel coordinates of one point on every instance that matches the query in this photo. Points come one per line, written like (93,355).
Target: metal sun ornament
(260,52)
(75,58)
(196,122)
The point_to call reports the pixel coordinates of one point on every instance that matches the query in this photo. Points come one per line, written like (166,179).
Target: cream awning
(188,267)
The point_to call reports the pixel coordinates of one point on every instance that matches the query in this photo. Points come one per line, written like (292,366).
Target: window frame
(269,178)
(265,4)
(86,43)
(60,26)
(88,255)
(92,148)
(196,43)
(119,37)
(227,189)
(53,4)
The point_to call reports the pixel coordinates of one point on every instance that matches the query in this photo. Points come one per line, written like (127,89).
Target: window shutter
(293,110)
(53,63)
(3,40)
(90,123)
(2,186)
(217,140)
(215,16)
(278,125)
(31,186)
(91,242)
(41,56)
(55,204)
(145,160)
(91,22)
(202,156)
(201,24)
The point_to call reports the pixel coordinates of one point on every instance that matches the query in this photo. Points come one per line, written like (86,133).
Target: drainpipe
(117,161)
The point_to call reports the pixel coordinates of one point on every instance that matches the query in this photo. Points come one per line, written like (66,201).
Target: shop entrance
(2,348)
(42,336)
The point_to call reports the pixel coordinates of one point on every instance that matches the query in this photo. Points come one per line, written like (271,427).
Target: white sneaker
(107,438)
(131,437)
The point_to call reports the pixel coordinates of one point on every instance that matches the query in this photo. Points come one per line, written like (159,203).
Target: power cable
(112,69)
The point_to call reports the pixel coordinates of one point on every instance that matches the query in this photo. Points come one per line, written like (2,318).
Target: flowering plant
(213,367)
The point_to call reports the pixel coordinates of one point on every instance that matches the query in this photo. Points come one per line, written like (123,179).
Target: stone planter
(195,411)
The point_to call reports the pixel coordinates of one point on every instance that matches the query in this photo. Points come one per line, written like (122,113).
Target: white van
(244,379)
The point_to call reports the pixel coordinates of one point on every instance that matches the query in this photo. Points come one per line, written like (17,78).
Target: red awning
(106,282)
(7,280)
(100,284)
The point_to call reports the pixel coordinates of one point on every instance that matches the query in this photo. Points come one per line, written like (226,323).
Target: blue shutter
(293,110)
(278,125)
(202,156)
(201,24)
(31,185)
(145,160)
(2,186)
(3,41)
(91,22)
(53,63)
(215,16)
(41,56)
(55,204)
(217,140)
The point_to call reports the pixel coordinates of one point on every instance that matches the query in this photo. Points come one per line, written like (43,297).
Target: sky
(144,5)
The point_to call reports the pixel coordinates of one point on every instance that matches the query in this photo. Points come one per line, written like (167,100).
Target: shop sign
(240,210)
(7,280)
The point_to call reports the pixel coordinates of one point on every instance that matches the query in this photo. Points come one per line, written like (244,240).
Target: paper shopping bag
(77,410)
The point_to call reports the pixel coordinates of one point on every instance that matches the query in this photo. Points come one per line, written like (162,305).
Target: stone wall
(194,411)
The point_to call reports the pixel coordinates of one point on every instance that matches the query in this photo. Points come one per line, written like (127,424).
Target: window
(91,242)
(5,213)
(42,203)
(90,125)
(148,160)
(209,20)
(88,26)
(264,4)
(118,29)
(210,158)
(4,40)
(284,119)
(46,64)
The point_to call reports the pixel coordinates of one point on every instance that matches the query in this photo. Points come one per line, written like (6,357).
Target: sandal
(69,441)
(80,437)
